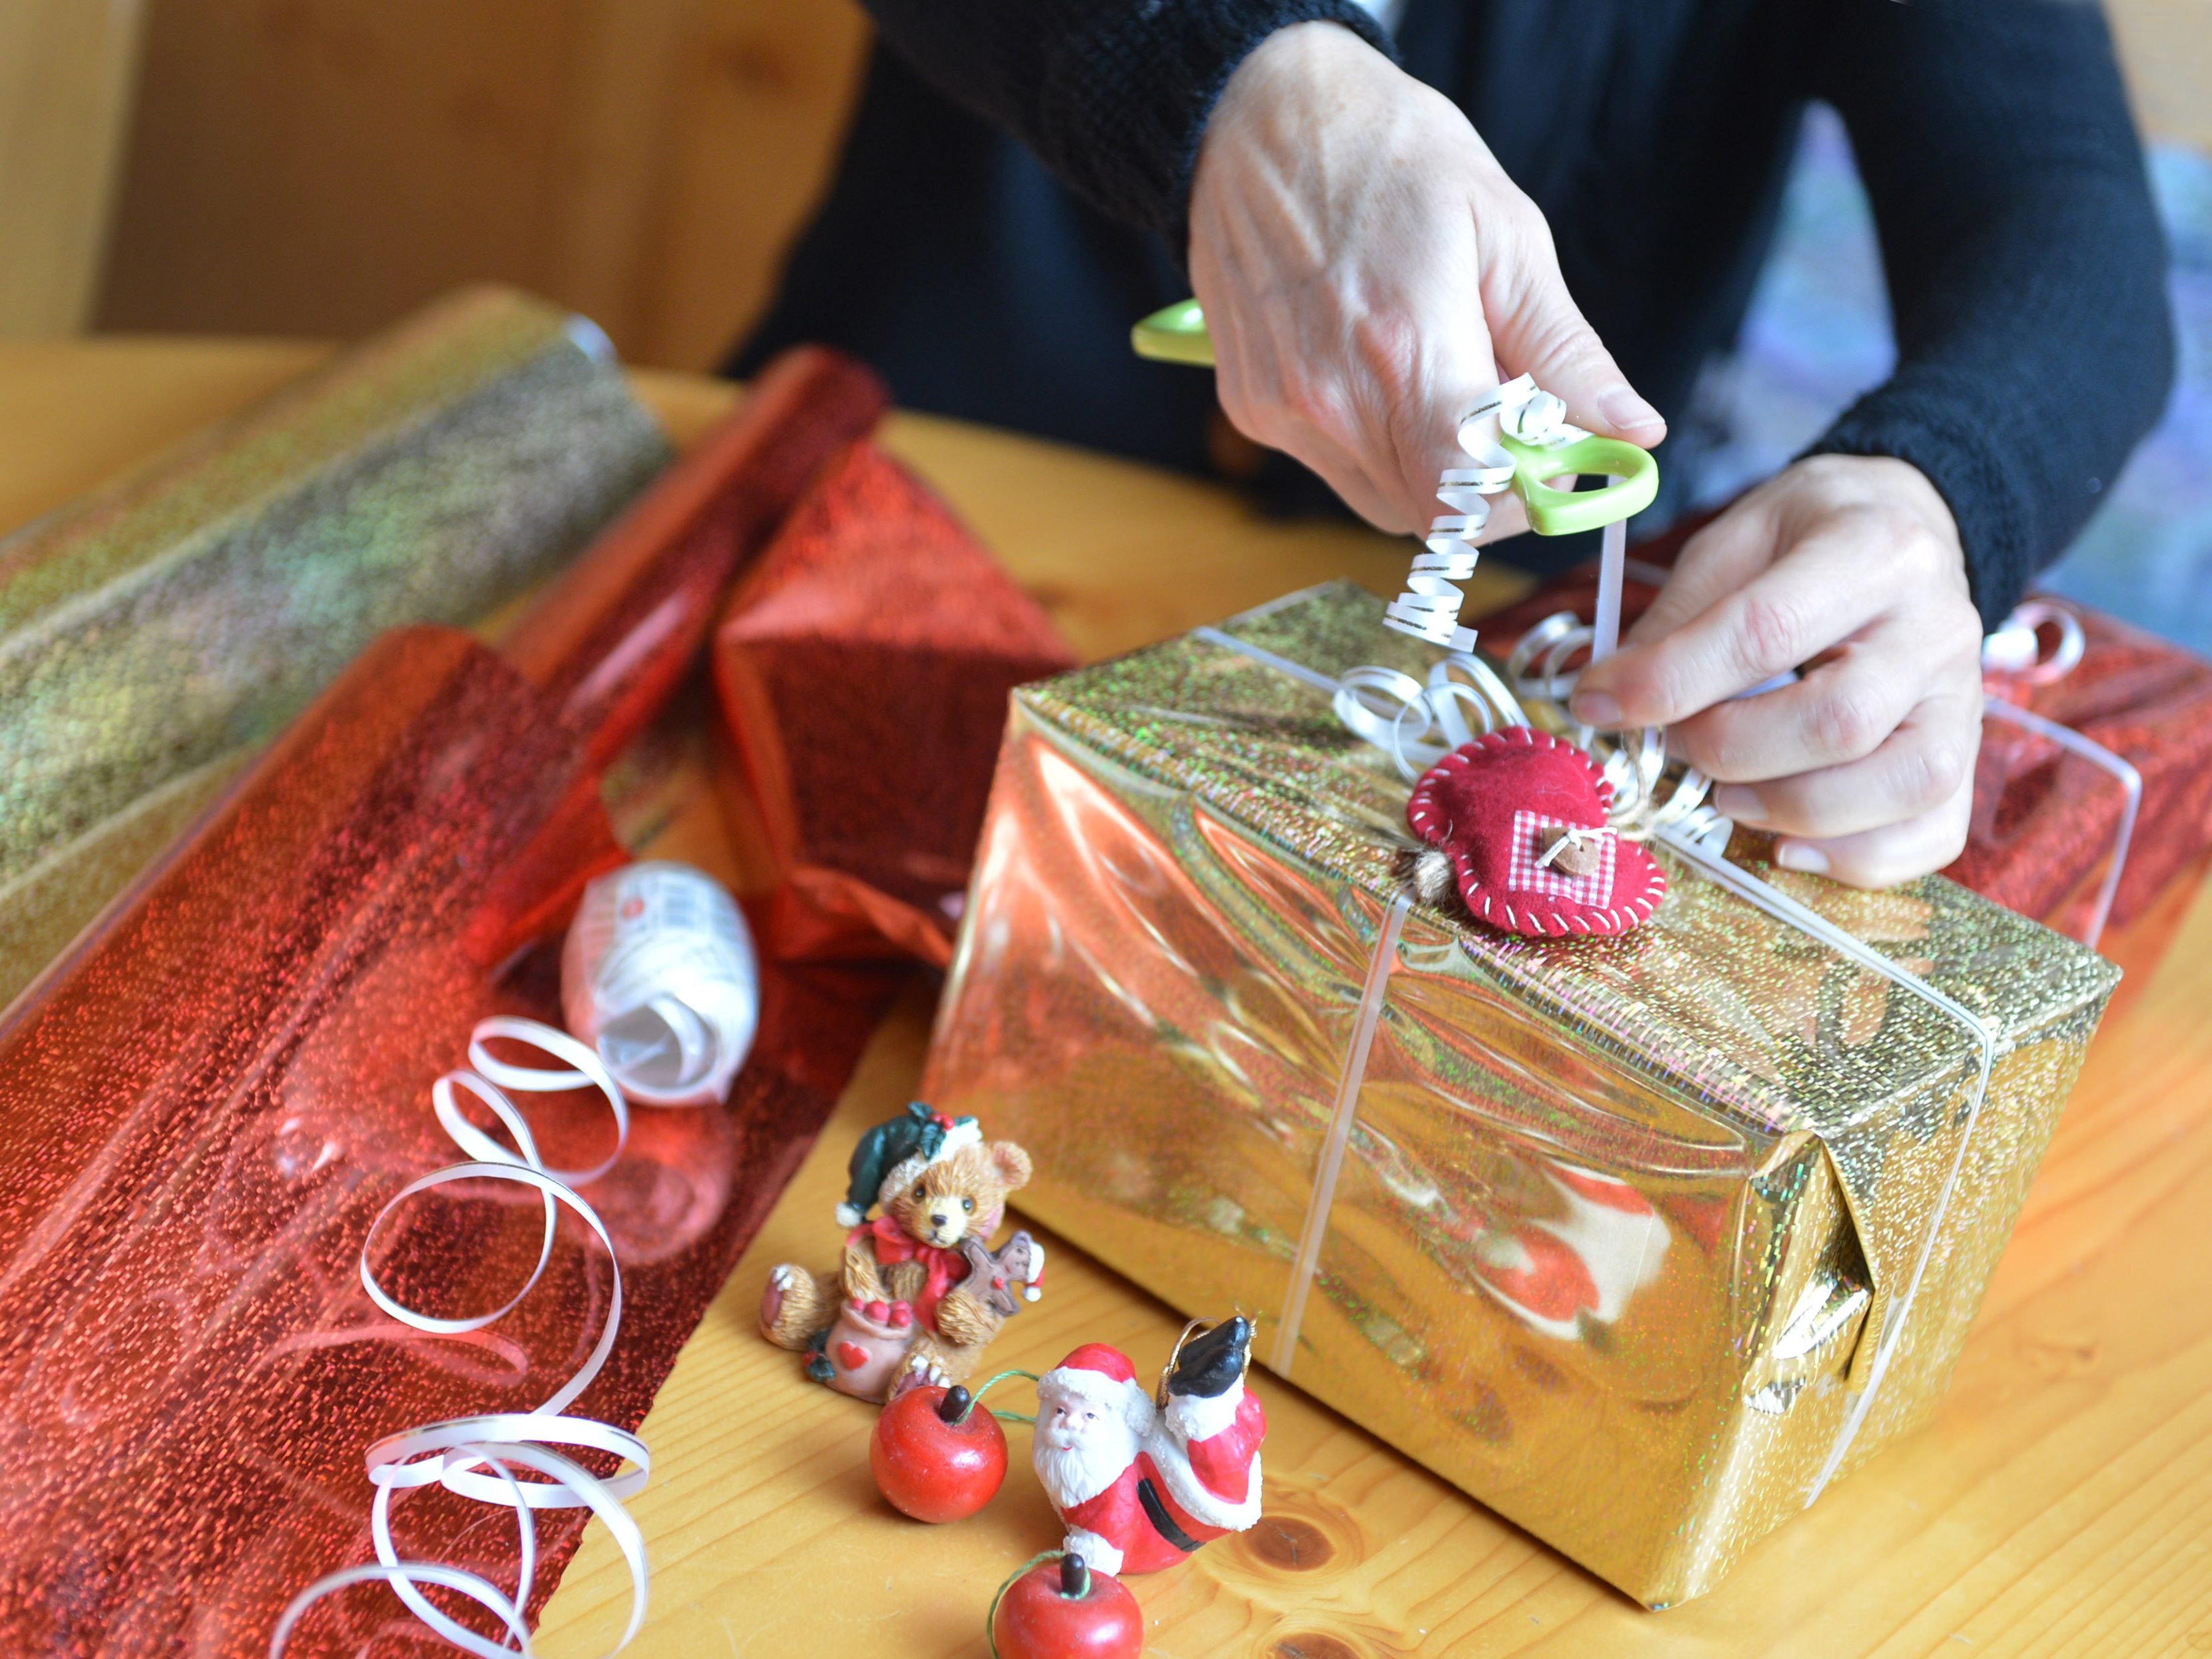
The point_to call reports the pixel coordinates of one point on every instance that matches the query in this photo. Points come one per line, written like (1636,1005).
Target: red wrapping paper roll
(211,1097)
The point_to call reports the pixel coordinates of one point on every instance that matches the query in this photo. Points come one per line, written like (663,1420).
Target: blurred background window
(1818,334)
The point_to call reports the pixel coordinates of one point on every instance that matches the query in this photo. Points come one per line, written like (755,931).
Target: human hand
(1367,270)
(1849,568)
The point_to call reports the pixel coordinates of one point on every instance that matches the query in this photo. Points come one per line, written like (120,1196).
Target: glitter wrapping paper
(155,633)
(2045,820)
(863,669)
(1618,1221)
(217,1090)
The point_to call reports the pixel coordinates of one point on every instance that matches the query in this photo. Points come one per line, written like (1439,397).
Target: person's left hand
(1848,568)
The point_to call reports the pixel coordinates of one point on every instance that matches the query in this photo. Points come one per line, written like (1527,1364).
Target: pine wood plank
(67,72)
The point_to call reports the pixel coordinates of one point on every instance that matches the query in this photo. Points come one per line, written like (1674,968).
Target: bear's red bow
(945,1267)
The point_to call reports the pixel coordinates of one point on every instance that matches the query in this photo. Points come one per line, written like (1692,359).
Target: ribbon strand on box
(1429,608)
(1417,723)
(478,1457)
(2015,651)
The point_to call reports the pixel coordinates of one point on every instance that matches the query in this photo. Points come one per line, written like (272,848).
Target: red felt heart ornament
(1497,807)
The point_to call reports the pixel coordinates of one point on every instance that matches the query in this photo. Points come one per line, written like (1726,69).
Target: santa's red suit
(1139,1487)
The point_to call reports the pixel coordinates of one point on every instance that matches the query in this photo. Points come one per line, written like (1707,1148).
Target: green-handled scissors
(1176,334)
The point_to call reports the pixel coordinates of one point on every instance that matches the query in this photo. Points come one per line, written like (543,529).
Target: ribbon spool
(479,1457)
(660,975)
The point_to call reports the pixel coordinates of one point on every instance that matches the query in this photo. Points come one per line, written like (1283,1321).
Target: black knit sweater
(2024,261)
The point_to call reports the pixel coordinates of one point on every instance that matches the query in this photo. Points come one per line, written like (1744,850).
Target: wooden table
(2061,1503)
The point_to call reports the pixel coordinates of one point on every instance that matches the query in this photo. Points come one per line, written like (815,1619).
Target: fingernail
(1733,800)
(1796,855)
(1626,412)
(1594,709)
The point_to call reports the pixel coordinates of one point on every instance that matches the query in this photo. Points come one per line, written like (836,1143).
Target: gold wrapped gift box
(1638,1241)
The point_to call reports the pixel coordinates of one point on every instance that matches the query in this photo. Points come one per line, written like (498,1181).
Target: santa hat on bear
(1103,1376)
(891,1154)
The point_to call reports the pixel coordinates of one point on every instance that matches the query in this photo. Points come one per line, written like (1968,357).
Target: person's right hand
(1368,272)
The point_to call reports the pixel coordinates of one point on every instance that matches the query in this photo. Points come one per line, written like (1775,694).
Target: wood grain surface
(2060,1504)
(67,73)
(315,166)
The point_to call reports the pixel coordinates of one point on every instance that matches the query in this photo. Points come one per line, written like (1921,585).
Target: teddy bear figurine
(918,1292)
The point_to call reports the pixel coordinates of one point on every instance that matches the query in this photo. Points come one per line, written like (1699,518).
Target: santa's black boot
(1212,1362)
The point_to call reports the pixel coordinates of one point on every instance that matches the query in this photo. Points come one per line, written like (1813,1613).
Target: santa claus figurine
(1141,1484)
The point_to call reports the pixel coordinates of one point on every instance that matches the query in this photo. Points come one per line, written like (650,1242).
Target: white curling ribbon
(1377,704)
(660,974)
(478,1457)
(1429,607)
(2016,648)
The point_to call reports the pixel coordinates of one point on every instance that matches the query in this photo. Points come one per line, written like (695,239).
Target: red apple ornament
(938,1456)
(1062,1610)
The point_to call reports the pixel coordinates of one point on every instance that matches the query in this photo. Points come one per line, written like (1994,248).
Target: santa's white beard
(1077,1474)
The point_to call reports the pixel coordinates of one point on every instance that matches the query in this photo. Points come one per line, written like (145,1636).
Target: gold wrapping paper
(157,632)
(1619,1223)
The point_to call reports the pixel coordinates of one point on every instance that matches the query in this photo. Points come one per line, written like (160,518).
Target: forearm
(1112,94)
(2025,265)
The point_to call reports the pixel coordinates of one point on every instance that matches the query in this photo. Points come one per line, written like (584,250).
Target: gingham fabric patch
(1523,875)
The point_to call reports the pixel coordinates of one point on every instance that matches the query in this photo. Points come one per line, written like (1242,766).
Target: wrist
(1914,490)
(1887,481)
(1302,70)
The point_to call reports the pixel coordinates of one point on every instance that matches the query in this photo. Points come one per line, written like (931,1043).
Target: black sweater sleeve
(1111,94)
(2025,263)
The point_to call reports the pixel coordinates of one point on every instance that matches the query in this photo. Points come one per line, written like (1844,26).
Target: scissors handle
(1176,334)
(1563,512)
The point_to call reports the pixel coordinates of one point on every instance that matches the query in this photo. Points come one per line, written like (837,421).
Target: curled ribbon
(1645,802)
(479,1457)
(1428,609)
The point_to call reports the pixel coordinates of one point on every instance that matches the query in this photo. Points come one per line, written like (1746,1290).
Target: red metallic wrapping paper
(863,669)
(214,1094)
(2045,820)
